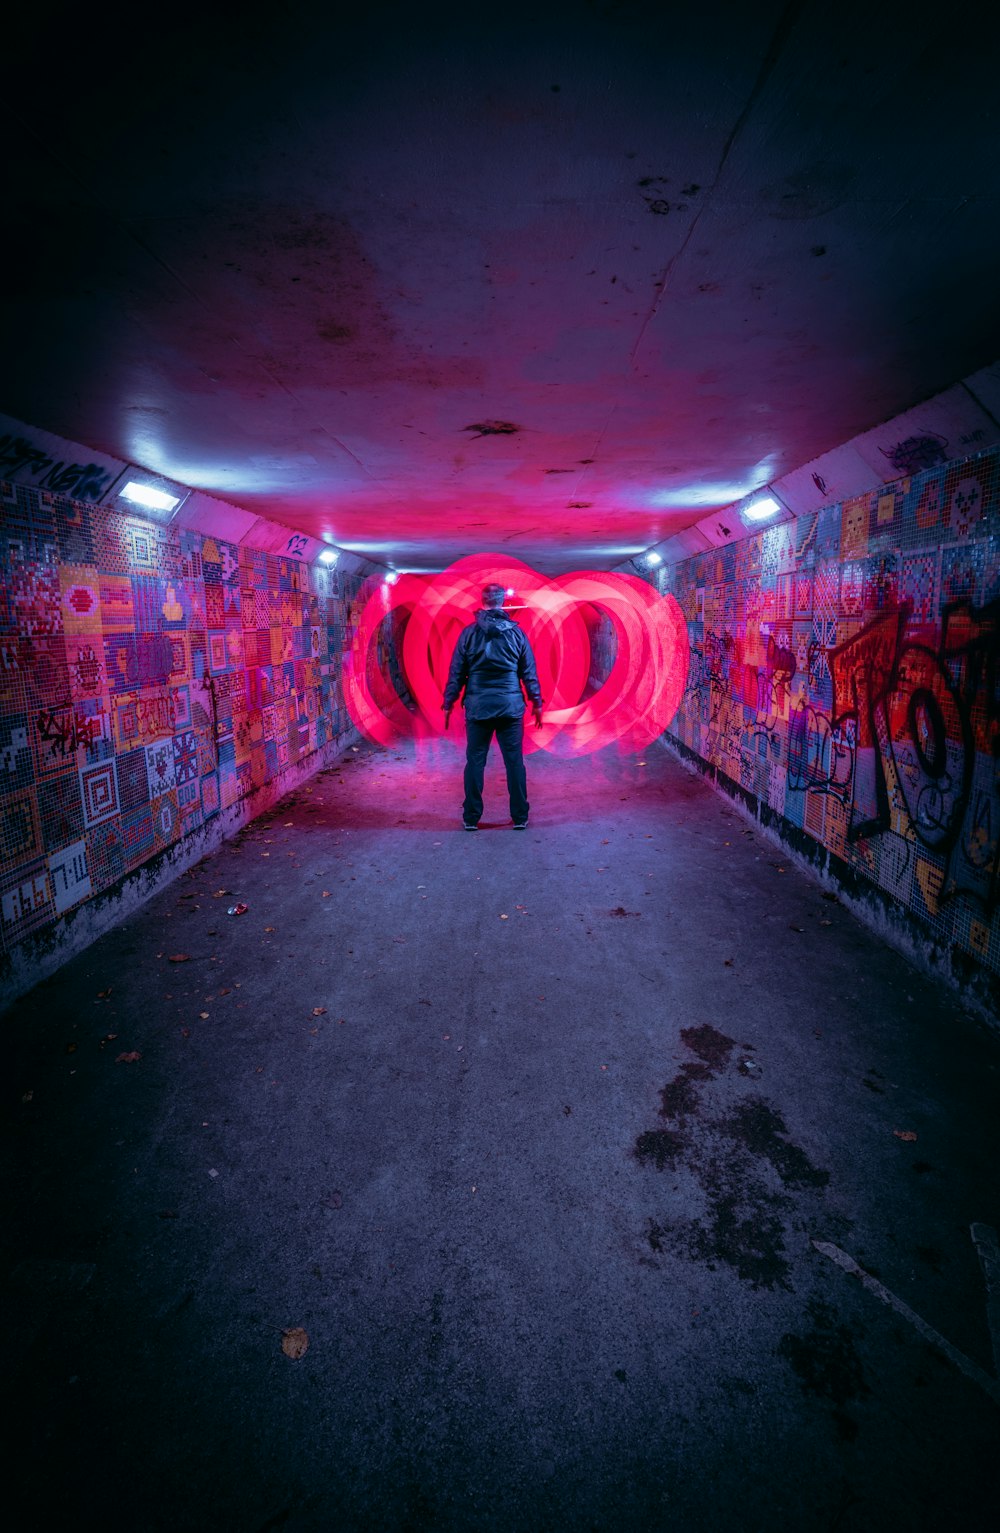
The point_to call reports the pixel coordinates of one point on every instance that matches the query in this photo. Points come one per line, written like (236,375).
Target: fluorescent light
(329,556)
(759,510)
(145,495)
(391,578)
(653,557)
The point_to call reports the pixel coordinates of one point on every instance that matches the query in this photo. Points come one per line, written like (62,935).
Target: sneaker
(520,824)
(468,826)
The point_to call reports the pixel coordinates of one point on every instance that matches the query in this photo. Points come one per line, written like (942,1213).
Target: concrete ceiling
(561,279)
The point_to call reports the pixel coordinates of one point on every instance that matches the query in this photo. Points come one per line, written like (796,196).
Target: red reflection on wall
(631,704)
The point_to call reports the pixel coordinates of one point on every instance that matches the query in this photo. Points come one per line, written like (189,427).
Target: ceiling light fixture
(761,509)
(329,556)
(146,495)
(653,557)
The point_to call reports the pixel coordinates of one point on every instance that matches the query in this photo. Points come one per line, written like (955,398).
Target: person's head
(494,595)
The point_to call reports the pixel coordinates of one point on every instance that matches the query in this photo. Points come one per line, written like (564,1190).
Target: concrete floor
(528,1136)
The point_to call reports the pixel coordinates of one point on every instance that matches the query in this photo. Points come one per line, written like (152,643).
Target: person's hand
(447,717)
(538,717)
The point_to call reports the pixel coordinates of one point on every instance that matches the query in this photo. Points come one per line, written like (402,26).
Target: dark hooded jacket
(492,658)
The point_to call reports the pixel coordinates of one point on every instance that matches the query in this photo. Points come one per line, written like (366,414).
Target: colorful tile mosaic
(148,676)
(872,720)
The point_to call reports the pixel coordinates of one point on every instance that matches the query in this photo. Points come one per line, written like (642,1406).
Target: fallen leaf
(505,918)
(269,928)
(102,995)
(905,1133)
(319,1011)
(134,1055)
(796,928)
(287,825)
(326,894)
(226,991)
(203,1015)
(179,958)
(335,1200)
(728,962)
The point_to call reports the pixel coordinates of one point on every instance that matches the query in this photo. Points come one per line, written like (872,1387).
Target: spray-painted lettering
(79,481)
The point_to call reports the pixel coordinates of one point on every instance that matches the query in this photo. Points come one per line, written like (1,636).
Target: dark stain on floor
(747,1236)
(711,1046)
(680,1096)
(745,1165)
(826,1363)
(659,1147)
(764,1133)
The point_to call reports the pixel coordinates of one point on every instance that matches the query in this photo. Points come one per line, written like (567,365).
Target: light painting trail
(631,706)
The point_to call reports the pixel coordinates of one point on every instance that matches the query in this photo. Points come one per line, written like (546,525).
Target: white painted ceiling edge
(49,456)
(964,420)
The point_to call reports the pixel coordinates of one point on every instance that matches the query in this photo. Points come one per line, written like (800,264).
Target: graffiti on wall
(149,677)
(82,481)
(845,670)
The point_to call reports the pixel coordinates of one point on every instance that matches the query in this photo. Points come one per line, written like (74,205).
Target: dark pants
(510,735)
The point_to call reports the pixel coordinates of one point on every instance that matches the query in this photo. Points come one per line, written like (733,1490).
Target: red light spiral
(632,705)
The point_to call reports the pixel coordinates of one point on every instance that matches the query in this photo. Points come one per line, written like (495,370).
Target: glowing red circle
(632,705)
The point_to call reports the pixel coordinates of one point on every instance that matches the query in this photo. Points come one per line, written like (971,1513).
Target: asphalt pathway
(607,1175)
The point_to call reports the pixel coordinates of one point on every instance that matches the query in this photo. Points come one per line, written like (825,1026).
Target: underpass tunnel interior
(635,1170)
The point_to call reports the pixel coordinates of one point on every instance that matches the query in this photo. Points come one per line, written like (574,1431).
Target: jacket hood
(494,620)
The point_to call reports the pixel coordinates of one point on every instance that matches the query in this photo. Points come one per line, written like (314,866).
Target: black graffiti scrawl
(80,481)
(844,672)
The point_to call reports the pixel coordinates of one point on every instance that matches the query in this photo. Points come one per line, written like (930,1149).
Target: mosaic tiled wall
(844,670)
(148,678)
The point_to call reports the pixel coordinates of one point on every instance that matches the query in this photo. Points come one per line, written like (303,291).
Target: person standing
(494,664)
